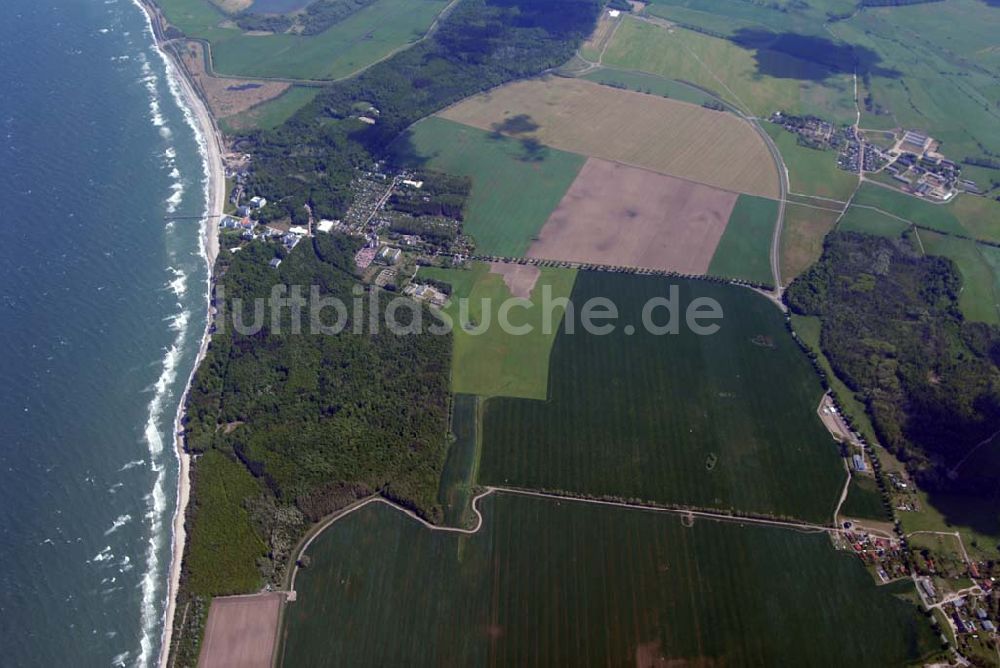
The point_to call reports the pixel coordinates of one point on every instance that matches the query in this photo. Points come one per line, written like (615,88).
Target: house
(389,255)
(859,463)
(988,626)
(413,184)
(242,210)
(275,263)
(298,229)
(366,120)
(325,225)
(258,202)
(228,223)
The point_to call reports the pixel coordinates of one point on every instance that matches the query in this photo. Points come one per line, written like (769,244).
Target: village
(406,219)
(907,160)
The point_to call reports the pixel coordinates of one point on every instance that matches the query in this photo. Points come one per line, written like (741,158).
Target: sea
(102,306)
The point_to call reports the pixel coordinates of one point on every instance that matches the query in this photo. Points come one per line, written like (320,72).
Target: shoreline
(210,143)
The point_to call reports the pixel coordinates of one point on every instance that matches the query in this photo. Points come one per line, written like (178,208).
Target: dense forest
(287,427)
(481,44)
(893,332)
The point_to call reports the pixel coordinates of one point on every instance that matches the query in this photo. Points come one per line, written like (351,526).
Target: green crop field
(724,421)
(462,463)
(571,584)
(967,215)
(363,38)
(514,187)
(802,238)
(864,500)
(979,298)
(731,71)
(648,83)
(745,247)
(811,171)
(869,221)
(494,362)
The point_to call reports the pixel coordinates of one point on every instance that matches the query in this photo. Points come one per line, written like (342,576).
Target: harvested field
(619,215)
(227,97)
(241,631)
(520,279)
(667,136)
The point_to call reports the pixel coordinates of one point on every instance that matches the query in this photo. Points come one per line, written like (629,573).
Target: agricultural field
(624,216)
(663,135)
(515,185)
(486,360)
(461,467)
(363,38)
(725,421)
(272,113)
(745,248)
(725,17)
(241,631)
(966,215)
(802,237)
(864,500)
(757,81)
(812,171)
(870,221)
(980,298)
(650,84)
(568,583)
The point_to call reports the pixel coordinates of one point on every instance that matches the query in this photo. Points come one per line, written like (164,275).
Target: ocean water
(101,311)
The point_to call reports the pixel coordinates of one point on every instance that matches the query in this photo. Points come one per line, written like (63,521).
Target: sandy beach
(211,143)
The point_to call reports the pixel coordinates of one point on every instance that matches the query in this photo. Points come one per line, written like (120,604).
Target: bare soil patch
(227,97)
(665,135)
(614,214)
(241,631)
(520,279)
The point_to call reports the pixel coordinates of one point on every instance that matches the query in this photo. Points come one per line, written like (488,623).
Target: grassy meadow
(514,186)
(869,221)
(726,421)
(733,72)
(864,500)
(651,84)
(979,298)
(495,363)
(565,583)
(272,113)
(361,39)
(744,251)
(811,171)
(461,466)
(802,238)
(966,215)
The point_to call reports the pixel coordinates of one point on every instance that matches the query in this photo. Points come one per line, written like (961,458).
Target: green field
(461,466)
(966,215)
(980,297)
(811,171)
(648,83)
(936,70)
(496,363)
(731,72)
(363,38)
(802,238)
(725,421)
(864,500)
(744,250)
(869,221)
(514,187)
(570,584)
(272,113)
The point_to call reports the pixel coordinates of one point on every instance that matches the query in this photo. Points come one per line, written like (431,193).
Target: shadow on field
(808,57)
